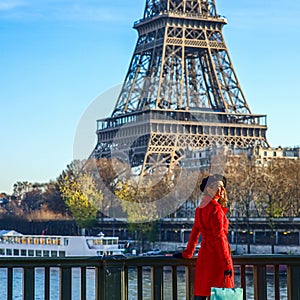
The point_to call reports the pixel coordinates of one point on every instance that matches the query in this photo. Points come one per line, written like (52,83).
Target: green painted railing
(111,276)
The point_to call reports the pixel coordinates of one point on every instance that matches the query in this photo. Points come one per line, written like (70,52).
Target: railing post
(83,283)
(47,283)
(28,283)
(99,281)
(243,281)
(9,284)
(157,283)
(140,283)
(126,283)
(293,279)
(260,282)
(276,283)
(190,279)
(174,283)
(66,283)
(114,279)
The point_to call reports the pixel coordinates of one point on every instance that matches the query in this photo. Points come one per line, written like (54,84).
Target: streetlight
(236,228)
(182,235)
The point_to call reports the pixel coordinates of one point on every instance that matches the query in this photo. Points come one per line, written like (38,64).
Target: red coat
(214,256)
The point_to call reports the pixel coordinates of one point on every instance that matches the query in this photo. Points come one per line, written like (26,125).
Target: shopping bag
(226,293)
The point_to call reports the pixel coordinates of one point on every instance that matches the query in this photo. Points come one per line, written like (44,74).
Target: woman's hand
(228,273)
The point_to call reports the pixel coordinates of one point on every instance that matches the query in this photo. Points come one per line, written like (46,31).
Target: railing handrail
(255,259)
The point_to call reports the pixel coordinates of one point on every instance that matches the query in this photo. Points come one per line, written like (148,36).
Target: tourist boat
(15,244)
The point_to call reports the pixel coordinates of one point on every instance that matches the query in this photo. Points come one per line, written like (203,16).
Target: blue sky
(59,57)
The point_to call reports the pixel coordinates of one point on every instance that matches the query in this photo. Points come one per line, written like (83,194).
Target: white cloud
(10,4)
(75,10)
(83,13)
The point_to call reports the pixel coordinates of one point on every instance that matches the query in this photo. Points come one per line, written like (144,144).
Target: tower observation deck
(181,92)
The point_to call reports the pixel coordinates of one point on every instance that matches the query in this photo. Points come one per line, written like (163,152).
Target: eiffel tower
(181,93)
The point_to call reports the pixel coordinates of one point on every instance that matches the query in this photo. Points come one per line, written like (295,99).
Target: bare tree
(242,174)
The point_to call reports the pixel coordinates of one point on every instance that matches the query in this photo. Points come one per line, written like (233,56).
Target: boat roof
(5,232)
(10,233)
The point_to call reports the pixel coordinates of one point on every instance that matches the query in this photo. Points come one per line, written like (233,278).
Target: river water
(132,277)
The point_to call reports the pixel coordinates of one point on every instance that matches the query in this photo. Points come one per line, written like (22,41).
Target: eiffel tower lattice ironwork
(181,91)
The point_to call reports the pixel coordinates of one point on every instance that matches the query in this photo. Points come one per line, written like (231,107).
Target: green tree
(81,197)
(142,206)
(137,202)
(53,199)
(20,188)
(108,173)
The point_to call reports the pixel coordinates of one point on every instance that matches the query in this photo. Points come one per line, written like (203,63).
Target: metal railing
(111,277)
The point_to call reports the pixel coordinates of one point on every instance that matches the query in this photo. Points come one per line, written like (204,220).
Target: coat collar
(207,199)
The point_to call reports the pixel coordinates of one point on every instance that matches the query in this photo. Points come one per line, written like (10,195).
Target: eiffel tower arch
(181,93)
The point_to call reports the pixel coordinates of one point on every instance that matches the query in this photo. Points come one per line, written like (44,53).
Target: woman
(214,260)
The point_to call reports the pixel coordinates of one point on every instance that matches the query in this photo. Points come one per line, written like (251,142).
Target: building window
(53,253)
(265,153)
(274,153)
(62,253)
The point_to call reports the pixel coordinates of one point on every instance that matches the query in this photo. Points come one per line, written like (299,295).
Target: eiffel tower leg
(162,156)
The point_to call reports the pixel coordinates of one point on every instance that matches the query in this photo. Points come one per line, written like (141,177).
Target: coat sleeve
(220,238)
(193,240)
